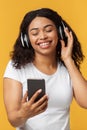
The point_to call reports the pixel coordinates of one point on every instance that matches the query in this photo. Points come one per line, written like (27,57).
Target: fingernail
(66,28)
(70,32)
(39,90)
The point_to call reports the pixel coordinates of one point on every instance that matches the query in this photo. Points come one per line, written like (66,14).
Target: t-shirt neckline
(44,74)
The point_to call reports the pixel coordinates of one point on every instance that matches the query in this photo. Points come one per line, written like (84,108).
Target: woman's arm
(78,81)
(18,108)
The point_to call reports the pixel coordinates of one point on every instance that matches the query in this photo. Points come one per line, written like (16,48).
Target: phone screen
(34,85)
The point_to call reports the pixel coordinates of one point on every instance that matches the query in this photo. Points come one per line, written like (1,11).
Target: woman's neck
(46,64)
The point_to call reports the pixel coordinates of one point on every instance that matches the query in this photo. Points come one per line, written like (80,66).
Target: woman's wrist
(18,119)
(22,117)
(68,62)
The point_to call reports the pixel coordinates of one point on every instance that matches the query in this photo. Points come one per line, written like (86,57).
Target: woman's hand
(66,51)
(19,109)
(31,108)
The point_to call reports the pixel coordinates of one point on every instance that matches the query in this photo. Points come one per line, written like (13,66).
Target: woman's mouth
(44,44)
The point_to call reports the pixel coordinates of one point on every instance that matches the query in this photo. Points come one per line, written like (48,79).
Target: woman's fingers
(36,94)
(66,51)
(69,36)
(41,101)
(40,105)
(24,99)
(32,108)
(62,43)
(43,106)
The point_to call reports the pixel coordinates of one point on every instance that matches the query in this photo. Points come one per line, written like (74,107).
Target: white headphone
(24,40)
(61,29)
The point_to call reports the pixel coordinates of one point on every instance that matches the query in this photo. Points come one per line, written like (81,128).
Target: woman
(46,48)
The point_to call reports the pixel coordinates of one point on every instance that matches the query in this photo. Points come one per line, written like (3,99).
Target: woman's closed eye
(34,32)
(48,30)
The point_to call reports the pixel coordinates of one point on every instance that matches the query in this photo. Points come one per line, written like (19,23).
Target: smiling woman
(46,48)
(24,53)
(43,36)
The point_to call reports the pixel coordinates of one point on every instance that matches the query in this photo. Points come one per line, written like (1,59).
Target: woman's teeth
(44,44)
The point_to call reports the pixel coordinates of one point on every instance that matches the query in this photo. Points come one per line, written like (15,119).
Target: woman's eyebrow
(48,25)
(33,29)
(44,27)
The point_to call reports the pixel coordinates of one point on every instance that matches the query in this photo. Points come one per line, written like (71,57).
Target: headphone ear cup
(24,40)
(61,32)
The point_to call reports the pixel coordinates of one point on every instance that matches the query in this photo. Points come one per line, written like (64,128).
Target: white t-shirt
(59,91)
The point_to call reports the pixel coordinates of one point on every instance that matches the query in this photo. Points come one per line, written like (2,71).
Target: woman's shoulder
(63,69)
(13,66)
(62,66)
(18,74)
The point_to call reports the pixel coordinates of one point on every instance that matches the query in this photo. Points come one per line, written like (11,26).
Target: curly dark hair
(23,55)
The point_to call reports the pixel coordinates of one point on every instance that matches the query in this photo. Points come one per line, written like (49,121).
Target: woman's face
(43,36)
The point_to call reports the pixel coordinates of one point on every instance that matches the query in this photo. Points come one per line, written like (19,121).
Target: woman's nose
(43,35)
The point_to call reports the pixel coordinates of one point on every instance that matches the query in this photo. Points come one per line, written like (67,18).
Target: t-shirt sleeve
(12,72)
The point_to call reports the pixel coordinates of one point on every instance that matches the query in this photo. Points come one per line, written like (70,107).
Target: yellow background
(11,14)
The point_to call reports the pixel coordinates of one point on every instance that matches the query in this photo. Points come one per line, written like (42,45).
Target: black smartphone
(34,85)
